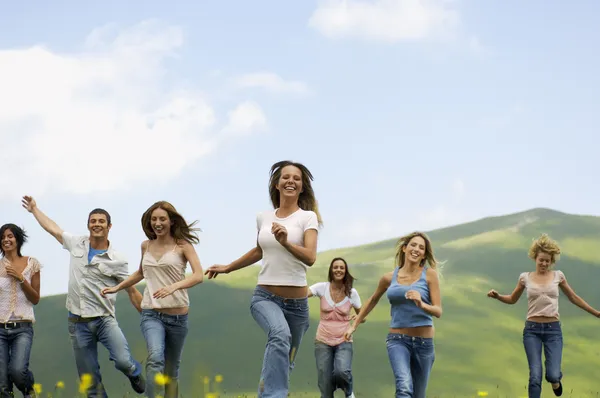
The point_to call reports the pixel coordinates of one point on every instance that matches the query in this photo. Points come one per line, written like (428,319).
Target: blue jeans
(15,347)
(165,335)
(411,359)
(285,321)
(334,368)
(548,335)
(85,336)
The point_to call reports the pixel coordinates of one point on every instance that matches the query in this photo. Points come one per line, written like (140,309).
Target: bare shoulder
(386,279)
(431,273)
(145,244)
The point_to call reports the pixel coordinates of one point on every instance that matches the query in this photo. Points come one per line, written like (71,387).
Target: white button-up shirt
(86,280)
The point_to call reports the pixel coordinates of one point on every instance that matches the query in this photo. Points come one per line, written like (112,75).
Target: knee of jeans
(342,374)
(280,334)
(156,358)
(535,376)
(18,374)
(552,376)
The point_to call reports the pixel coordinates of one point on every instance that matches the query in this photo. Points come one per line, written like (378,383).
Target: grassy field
(478,340)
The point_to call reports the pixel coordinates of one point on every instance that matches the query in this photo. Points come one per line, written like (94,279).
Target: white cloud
(386,20)
(271,82)
(93,120)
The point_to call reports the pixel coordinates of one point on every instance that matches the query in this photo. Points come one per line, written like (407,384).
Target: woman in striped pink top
(332,352)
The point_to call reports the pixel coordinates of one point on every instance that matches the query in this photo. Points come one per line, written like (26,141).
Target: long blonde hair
(403,242)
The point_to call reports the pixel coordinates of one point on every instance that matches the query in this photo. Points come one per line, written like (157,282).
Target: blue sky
(410,114)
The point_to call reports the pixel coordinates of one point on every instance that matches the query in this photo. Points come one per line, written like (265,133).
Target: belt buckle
(8,323)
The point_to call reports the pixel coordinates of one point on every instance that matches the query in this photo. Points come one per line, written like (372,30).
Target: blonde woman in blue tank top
(414,294)
(165,302)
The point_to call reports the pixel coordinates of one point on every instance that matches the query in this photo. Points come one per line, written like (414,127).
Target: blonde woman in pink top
(543,327)
(165,303)
(332,352)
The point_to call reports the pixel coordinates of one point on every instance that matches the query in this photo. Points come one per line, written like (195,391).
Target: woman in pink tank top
(332,352)
(165,302)
(543,326)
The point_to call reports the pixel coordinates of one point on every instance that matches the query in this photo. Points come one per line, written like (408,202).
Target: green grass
(478,340)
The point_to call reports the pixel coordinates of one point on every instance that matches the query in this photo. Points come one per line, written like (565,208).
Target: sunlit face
(543,261)
(160,222)
(9,241)
(338,270)
(290,182)
(98,226)
(414,251)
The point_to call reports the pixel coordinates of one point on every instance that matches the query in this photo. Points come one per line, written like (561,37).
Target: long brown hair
(306,200)
(348,280)
(180,229)
(403,242)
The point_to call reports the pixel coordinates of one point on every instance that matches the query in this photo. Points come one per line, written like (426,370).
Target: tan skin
(98,228)
(15,265)
(408,274)
(164,242)
(543,275)
(336,287)
(289,187)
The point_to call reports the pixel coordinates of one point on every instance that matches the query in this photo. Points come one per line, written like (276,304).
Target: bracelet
(22,280)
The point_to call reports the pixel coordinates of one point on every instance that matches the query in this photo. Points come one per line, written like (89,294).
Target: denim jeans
(334,368)
(285,321)
(411,359)
(85,336)
(15,347)
(548,335)
(165,335)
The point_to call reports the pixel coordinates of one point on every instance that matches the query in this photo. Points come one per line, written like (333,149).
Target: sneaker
(351,396)
(138,383)
(558,391)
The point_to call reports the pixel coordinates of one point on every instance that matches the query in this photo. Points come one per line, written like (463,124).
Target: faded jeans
(15,348)
(165,335)
(535,336)
(285,321)
(411,359)
(334,368)
(85,337)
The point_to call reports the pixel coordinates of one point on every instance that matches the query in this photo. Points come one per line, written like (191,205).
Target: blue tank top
(405,313)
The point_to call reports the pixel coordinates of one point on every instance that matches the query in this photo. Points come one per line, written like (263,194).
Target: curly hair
(403,242)
(544,244)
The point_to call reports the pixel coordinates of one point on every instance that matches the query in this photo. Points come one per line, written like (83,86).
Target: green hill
(478,340)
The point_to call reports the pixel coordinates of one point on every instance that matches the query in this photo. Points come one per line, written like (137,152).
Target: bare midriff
(291,292)
(173,311)
(543,319)
(419,331)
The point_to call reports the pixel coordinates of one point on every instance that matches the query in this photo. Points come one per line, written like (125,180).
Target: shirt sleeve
(35,264)
(318,289)
(523,279)
(69,241)
(311,221)
(355,299)
(561,276)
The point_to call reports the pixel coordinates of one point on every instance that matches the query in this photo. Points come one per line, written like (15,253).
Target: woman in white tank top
(165,301)
(287,245)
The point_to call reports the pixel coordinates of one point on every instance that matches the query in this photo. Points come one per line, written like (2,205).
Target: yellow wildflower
(60,384)
(482,393)
(161,379)
(218,378)
(86,382)
(37,387)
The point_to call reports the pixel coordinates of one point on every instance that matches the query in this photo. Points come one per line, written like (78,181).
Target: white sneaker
(351,396)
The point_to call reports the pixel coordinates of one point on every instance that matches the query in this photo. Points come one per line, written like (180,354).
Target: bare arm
(383,285)
(510,298)
(45,222)
(307,253)
(130,281)
(32,290)
(253,256)
(197,276)
(135,297)
(435,309)
(575,299)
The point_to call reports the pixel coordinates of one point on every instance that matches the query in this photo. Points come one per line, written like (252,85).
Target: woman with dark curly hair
(543,326)
(165,303)
(19,292)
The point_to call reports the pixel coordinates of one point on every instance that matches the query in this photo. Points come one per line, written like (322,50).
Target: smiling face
(290,182)
(8,241)
(338,270)
(543,261)
(98,226)
(414,251)
(160,222)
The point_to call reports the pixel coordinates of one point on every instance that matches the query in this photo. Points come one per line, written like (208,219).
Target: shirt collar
(109,252)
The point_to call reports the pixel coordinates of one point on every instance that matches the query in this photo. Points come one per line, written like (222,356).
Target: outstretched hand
(28,203)
(108,290)
(215,270)
(493,294)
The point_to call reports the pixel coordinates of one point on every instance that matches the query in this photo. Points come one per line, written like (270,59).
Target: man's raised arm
(45,222)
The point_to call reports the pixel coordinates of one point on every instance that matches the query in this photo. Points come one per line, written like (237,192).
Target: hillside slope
(478,340)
